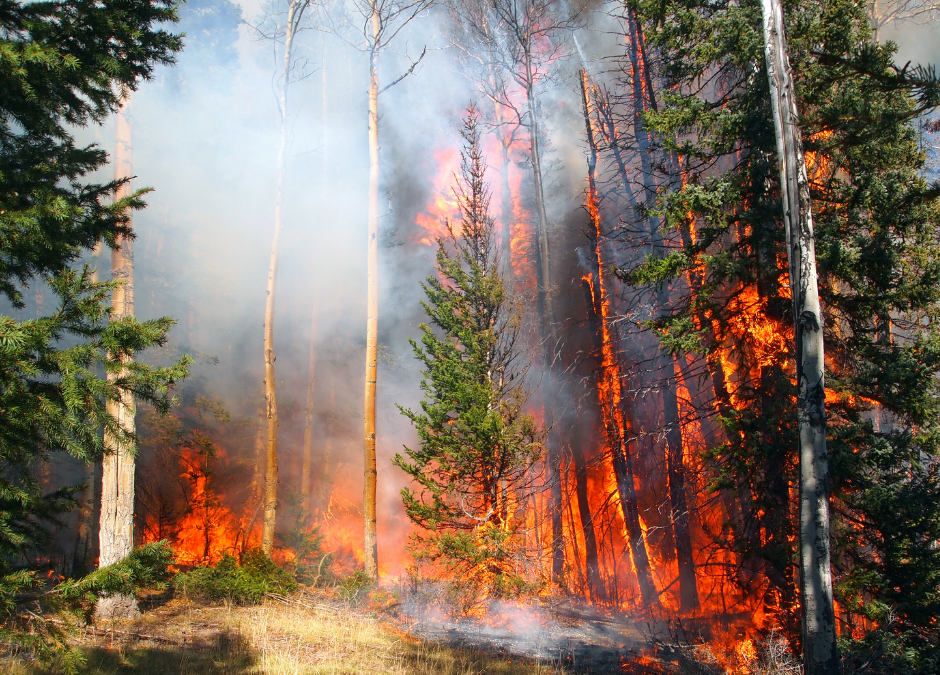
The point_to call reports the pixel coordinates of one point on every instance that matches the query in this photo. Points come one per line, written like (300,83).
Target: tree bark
(116,531)
(678,497)
(370,542)
(820,651)
(643,95)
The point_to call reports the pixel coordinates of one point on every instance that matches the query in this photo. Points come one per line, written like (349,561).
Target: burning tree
(733,313)
(520,40)
(476,444)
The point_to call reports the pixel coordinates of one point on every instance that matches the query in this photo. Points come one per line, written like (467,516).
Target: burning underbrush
(581,638)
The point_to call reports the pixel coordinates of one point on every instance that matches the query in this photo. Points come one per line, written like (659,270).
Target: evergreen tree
(65,65)
(476,443)
(879,260)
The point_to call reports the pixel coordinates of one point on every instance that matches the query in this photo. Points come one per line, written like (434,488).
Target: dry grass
(274,639)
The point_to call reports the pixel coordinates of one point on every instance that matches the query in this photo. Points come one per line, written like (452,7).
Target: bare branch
(406,73)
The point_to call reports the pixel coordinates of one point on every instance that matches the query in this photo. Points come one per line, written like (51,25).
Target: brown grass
(182,638)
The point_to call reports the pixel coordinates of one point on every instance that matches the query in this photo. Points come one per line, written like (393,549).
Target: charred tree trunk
(116,531)
(678,496)
(591,556)
(820,652)
(370,541)
(616,419)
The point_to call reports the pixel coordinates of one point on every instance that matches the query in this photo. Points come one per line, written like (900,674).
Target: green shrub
(241,584)
(45,637)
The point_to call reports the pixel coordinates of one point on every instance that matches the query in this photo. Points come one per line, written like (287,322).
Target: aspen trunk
(546,324)
(116,530)
(370,542)
(308,411)
(820,652)
(270,394)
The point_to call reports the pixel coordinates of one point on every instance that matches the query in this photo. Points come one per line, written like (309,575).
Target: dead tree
(613,408)
(884,12)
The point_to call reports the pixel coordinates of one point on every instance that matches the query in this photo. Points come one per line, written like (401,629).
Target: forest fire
(605,339)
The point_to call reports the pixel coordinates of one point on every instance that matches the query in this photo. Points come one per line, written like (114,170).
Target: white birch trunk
(820,653)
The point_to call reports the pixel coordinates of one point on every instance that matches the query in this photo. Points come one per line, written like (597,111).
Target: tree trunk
(616,427)
(546,326)
(678,497)
(84,554)
(116,531)
(820,652)
(270,395)
(643,95)
(308,411)
(609,373)
(328,462)
(370,542)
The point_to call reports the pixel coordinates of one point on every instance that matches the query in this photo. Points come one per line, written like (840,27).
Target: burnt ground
(581,639)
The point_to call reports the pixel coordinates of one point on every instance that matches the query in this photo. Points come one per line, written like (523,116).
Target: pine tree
(64,65)
(476,443)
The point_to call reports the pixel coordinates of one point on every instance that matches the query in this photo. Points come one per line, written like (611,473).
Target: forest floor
(313,633)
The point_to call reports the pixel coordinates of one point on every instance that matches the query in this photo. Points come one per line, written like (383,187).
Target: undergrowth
(246,583)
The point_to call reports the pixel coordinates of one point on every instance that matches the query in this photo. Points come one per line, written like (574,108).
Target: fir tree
(65,65)
(476,443)
(879,259)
